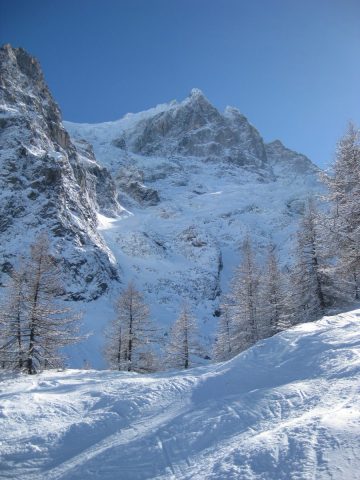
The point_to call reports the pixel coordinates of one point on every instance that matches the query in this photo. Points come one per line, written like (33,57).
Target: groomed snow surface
(288,408)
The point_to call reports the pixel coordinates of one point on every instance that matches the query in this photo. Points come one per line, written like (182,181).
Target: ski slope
(288,408)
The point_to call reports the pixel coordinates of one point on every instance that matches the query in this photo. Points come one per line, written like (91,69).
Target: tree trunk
(30,362)
(130,343)
(119,351)
(186,348)
(319,291)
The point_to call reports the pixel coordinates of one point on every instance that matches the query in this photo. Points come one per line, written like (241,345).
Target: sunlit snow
(288,408)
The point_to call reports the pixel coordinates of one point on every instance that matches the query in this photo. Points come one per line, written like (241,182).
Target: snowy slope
(288,408)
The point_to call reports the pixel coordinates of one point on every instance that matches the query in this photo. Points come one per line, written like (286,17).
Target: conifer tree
(131,335)
(183,343)
(343,222)
(272,310)
(35,326)
(245,298)
(239,322)
(12,322)
(114,350)
(258,306)
(311,282)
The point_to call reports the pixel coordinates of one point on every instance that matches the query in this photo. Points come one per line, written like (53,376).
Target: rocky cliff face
(195,128)
(287,164)
(47,183)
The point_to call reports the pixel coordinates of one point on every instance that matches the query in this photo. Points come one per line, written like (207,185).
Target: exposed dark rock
(96,180)
(196,128)
(131,182)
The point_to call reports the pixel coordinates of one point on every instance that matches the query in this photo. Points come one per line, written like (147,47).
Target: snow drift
(288,408)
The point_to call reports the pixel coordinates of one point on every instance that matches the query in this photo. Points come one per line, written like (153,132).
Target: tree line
(35,324)
(325,273)
(134,343)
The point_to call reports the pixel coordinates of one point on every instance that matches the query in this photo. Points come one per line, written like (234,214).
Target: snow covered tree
(273,303)
(311,282)
(114,350)
(239,321)
(183,343)
(257,306)
(343,223)
(245,298)
(33,319)
(131,335)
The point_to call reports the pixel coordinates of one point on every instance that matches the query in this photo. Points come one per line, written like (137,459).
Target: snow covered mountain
(162,197)
(47,184)
(288,408)
(195,182)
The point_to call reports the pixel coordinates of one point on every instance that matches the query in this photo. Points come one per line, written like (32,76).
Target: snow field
(288,408)
(150,247)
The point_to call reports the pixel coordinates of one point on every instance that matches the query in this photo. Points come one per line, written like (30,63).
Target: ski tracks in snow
(287,409)
(126,437)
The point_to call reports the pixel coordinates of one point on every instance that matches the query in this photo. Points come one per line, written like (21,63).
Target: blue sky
(292,67)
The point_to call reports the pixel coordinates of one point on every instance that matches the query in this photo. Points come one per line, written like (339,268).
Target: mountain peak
(196,92)
(196,96)
(287,163)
